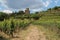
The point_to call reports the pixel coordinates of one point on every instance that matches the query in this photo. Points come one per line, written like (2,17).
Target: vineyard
(11,25)
(16,22)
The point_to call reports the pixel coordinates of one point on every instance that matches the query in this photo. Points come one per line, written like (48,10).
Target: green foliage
(3,16)
(50,9)
(10,26)
(56,7)
(20,12)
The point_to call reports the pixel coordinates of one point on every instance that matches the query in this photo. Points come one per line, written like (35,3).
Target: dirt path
(32,33)
(35,34)
(4,35)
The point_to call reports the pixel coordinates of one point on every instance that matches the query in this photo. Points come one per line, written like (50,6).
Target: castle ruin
(27,11)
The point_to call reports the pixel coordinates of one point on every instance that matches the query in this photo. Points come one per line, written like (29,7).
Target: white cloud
(46,3)
(22,4)
(7,11)
(3,3)
(37,9)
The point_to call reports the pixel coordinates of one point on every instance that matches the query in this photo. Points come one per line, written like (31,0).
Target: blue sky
(34,5)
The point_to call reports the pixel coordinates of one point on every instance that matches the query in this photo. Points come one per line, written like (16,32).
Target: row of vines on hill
(10,26)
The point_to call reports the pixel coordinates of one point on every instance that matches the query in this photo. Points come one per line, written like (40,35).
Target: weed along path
(31,33)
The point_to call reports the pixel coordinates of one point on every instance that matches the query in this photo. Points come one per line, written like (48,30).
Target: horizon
(10,6)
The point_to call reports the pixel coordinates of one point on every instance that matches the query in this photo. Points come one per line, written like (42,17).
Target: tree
(49,9)
(20,12)
(35,16)
(55,8)
(36,12)
(3,16)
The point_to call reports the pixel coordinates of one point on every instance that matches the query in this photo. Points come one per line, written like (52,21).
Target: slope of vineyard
(40,26)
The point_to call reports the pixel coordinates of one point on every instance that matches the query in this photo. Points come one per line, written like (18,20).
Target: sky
(35,5)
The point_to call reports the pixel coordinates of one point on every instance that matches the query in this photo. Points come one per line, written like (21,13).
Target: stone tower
(27,11)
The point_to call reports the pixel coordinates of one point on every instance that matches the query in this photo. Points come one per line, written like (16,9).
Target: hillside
(43,25)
